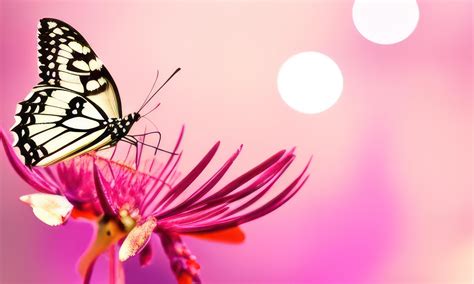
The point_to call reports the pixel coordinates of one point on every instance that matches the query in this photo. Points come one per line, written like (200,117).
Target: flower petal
(205,188)
(236,183)
(137,239)
(232,235)
(190,177)
(51,209)
(26,174)
(146,255)
(185,226)
(103,190)
(89,215)
(152,194)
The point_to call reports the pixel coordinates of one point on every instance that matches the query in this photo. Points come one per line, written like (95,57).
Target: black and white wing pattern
(71,110)
(65,59)
(53,124)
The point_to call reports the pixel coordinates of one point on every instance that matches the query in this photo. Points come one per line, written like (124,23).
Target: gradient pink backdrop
(390,194)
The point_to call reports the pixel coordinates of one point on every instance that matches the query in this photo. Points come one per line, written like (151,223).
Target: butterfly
(76,107)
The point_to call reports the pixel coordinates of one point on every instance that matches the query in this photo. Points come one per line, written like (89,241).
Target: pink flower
(130,204)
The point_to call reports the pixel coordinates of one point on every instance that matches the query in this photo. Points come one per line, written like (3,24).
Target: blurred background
(390,195)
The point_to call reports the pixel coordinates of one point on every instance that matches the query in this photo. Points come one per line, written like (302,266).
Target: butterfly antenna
(144,116)
(152,87)
(156,92)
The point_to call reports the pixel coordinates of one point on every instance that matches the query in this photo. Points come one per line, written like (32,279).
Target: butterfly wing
(66,60)
(66,114)
(54,124)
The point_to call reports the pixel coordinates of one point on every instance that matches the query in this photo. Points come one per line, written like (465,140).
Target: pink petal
(51,209)
(103,190)
(264,172)
(190,177)
(152,194)
(137,239)
(230,187)
(269,206)
(25,173)
(205,188)
(146,255)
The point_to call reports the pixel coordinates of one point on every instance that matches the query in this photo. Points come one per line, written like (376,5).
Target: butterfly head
(135,116)
(128,120)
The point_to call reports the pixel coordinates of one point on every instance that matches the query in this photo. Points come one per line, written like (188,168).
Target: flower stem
(112,265)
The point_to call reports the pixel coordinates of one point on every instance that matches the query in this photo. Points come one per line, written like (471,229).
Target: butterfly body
(119,127)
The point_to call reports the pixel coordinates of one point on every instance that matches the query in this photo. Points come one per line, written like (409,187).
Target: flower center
(128,220)
(110,230)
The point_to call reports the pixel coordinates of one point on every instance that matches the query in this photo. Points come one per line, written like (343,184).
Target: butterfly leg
(133,142)
(149,133)
(133,138)
(130,140)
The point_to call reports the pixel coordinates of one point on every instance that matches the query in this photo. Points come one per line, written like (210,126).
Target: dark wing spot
(76,106)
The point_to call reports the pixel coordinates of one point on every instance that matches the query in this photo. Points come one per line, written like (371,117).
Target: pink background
(390,194)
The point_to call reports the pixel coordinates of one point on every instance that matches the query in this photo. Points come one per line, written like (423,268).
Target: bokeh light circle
(385,21)
(310,82)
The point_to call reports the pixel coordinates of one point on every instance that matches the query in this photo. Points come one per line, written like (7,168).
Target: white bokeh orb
(385,21)
(310,82)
